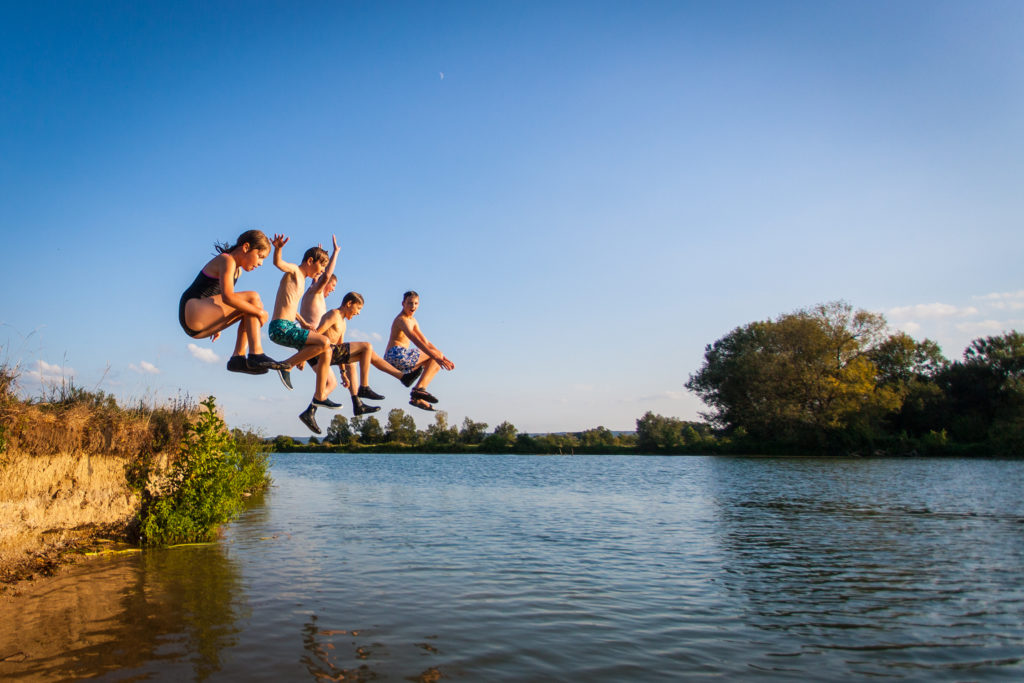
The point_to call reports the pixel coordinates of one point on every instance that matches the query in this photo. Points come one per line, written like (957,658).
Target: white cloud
(911,327)
(144,368)
(662,395)
(1000,296)
(988,327)
(205,355)
(47,372)
(930,311)
(358,335)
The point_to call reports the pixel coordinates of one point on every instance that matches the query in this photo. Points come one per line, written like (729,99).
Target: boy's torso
(287,302)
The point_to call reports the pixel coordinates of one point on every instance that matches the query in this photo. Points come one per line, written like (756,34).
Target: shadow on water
(134,614)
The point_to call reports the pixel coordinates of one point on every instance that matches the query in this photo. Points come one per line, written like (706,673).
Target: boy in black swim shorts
(346,354)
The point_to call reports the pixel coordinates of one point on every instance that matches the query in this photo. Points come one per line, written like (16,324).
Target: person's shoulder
(223,260)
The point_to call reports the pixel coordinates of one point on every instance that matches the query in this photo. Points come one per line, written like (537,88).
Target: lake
(562,568)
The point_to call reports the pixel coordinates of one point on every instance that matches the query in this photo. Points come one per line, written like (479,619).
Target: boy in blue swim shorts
(288,328)
(402,358)
(409,350)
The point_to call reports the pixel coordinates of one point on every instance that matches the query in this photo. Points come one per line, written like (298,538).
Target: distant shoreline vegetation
(825,380)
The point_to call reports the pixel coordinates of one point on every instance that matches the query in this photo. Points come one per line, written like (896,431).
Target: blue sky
(585,194)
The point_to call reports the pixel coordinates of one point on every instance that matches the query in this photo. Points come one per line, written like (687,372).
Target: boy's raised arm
(279,241)
(329,270)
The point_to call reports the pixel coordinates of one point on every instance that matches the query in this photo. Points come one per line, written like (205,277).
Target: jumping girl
(210,304)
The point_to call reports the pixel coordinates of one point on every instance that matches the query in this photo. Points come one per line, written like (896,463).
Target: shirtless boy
(314,301)
(346,354)
(288,328)
(405,330)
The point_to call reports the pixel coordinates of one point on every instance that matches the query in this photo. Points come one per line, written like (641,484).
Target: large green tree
(800,379)
(984,393)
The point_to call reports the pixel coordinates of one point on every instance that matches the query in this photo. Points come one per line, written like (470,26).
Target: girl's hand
(279,241)
(335,241)
(214,336)
(263,316)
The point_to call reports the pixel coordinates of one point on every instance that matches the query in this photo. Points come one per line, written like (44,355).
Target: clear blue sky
(585,194)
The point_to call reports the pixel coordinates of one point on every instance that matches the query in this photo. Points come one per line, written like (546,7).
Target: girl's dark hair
(352,296)
(255,238)
(410,293)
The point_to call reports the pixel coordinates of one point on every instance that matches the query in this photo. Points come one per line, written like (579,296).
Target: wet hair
(332,278)
(352,296)
(408,294)
(254,238)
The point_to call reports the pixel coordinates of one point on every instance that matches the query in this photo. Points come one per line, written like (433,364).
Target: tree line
(828,379)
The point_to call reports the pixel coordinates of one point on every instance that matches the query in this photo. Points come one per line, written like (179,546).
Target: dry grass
(70,419)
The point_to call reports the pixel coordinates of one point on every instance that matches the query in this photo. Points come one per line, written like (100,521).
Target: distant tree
(401,427)
(502,439)
(599,437)
(556,443)
(370,431)
(910,368)
(283,443)
(527,444)
(472,432)
(314,441)
(984,394)
(655,432)
(900,359)
(439,435)
(339,431)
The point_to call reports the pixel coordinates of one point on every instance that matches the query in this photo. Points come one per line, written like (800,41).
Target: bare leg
(350,375)
(332,382)
(361,352)
(242,338)
(211,315)
(316,344)
(384,366)
(323,372)
(429,370)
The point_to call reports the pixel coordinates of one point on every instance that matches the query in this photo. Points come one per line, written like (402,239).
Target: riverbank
(69,470)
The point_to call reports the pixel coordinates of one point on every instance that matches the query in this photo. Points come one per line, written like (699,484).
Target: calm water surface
(594,568)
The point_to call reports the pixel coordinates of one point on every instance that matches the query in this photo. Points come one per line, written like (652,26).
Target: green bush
(208,483)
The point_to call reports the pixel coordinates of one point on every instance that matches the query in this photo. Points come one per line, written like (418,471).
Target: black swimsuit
(202,287)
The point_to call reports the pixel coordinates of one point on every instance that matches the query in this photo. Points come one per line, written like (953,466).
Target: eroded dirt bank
(53,504)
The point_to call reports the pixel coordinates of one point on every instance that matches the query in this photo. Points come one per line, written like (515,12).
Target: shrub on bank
(206,486)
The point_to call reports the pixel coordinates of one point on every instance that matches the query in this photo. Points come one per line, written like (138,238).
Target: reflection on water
(168,611)
(399,567)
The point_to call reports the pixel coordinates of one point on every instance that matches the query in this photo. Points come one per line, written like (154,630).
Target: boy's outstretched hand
(279,241)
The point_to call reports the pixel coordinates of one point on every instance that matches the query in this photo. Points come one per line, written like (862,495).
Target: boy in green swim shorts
(288,328)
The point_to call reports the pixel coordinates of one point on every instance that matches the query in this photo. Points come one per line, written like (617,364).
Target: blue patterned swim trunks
(402,358)
(287,333)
